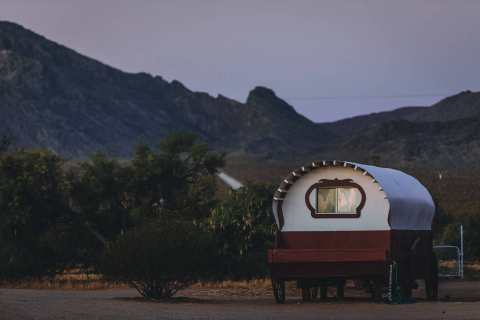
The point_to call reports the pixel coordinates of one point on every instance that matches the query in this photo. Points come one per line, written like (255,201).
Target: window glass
(348,199)
(338,200)
(326,200)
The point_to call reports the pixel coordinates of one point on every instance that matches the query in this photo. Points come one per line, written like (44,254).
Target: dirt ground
(458,300)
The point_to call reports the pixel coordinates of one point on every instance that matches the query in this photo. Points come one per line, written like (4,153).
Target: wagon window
(338,200)
(335,198)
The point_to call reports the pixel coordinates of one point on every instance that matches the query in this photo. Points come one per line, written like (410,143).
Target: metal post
(390,283)
(461,252)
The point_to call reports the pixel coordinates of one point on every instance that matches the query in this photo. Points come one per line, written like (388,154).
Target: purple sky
(330,59)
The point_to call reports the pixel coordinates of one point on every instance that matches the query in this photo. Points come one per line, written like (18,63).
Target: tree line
(155,222)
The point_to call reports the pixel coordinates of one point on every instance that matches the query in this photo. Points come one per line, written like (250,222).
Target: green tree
(34,214)
(148,213)
(451,234)
(98,193)
(178,177)
(244,228)
(6,142)
(50,219)
(97,190)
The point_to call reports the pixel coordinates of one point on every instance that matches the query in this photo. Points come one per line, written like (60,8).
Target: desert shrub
(243,226)
(161,257)
(451,236)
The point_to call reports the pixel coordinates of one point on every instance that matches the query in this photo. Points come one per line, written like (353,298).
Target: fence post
(461,252)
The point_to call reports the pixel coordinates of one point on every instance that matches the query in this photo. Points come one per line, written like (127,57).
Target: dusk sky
(329,59)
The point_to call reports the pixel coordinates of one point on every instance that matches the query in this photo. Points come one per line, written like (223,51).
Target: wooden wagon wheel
(278,290)
(309,293)
(377,288)
(431,280)
(323,292)
(306,294)
(341,289)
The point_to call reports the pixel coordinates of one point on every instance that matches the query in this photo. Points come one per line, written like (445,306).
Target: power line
(396,96)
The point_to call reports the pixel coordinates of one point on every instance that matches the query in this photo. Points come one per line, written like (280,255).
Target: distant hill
(445,134)
(461,106)
(53,97)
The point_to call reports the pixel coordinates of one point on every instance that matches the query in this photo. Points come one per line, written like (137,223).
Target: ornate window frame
(335,183)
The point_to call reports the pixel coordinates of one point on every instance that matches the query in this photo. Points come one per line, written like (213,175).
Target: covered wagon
(340,220)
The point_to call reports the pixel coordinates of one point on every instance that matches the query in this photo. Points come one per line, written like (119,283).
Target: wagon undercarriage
(316,270)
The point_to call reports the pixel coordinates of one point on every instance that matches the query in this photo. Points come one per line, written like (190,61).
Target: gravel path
(461,300)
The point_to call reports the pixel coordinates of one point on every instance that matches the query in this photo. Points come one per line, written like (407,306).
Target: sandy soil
(459,300)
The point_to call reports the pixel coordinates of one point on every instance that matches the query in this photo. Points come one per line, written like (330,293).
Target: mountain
(464,105)
(53,97)
(445,134)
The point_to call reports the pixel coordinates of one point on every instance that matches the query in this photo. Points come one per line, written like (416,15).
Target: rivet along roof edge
(406,195)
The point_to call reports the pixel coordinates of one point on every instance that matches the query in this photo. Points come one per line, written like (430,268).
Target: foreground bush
(161,257)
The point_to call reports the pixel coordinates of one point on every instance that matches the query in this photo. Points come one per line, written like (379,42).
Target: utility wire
(369,96)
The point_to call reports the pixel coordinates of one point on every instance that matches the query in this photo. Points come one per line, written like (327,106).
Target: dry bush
(161,258)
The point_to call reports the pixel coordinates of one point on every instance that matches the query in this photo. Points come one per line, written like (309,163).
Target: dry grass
(70,280)
(63,284)
(75,280)
(253,288)
(257,283)
(79,280)
(471,268)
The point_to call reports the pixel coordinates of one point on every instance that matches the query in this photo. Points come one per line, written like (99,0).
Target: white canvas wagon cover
(410,205)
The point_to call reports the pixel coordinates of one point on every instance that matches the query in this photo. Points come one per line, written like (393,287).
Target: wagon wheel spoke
(279,290)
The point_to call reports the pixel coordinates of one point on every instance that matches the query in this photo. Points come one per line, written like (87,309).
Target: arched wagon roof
(411,205)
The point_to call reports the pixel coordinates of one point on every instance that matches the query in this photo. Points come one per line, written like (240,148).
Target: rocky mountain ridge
(53,97)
